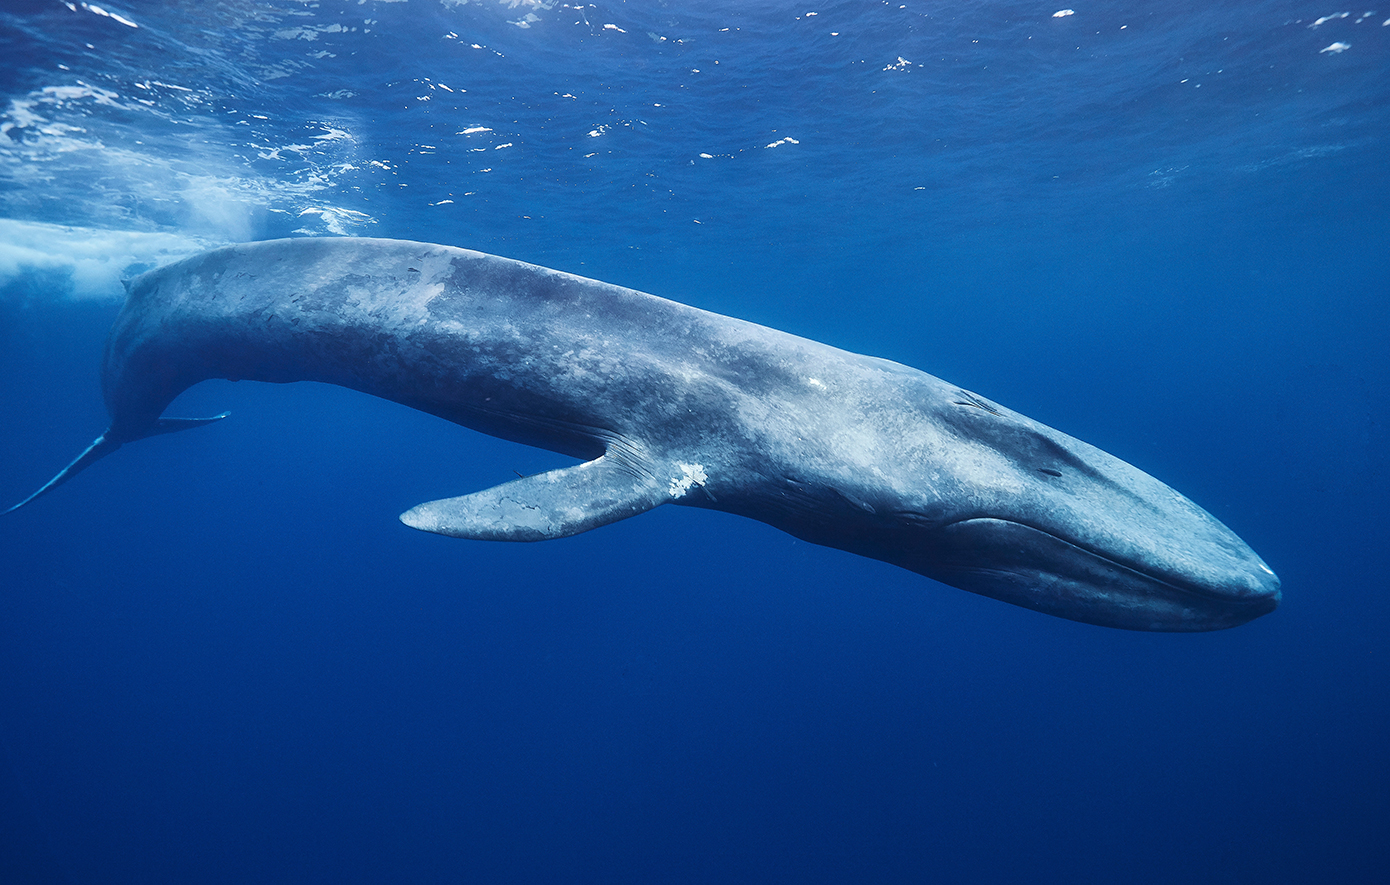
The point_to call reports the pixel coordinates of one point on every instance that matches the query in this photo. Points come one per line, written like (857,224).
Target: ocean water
(1162,228)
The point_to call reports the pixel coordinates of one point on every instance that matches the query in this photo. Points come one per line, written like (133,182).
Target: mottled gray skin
(665,403)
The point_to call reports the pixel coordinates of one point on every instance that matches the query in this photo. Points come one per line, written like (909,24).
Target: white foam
(64,154)
(111,15)
(84,263)
(335,220)
(1327,18)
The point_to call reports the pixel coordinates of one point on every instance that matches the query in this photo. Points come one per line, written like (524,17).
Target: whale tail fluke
(105,445)
(95,452)
(171,425)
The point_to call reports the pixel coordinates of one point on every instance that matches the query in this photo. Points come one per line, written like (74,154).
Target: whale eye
(971,400)
(1048,472)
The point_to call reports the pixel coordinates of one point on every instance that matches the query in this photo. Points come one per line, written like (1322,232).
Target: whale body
(663,403)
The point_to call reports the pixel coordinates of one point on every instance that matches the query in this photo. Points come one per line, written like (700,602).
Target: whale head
(1008,508)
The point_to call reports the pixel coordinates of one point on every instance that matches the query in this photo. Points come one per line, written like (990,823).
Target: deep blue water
(1163,230)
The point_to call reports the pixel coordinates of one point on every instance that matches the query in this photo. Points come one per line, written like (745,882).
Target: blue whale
(668,404)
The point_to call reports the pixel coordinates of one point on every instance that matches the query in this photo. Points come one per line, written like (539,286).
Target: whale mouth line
(1189,589)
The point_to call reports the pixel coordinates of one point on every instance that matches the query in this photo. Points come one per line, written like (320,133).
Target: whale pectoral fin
(547,505)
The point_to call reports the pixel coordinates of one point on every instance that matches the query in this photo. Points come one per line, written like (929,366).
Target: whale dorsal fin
(556,504)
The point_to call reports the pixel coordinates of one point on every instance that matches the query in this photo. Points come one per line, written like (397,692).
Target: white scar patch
(692,475)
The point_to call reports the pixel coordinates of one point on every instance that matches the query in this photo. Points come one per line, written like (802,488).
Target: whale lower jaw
(1033,568)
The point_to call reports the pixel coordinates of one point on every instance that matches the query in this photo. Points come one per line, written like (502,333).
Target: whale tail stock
(105,445)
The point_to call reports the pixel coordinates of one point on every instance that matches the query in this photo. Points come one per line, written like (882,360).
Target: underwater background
(1161,228)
